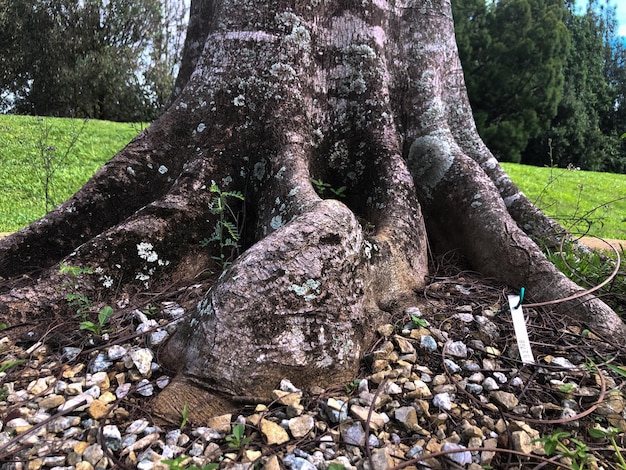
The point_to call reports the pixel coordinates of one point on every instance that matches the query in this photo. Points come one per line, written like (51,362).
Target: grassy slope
(563,194)
(574,197)
(22,197)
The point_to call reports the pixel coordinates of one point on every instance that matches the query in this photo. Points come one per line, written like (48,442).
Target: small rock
(137,426)
(206,434)
(381,458)
(377,420)
(465,317)
(522,442)
(116,352)
(474,389)
(17,425)
(336,410)
(123,390)
(51,401)
(476,377)
(145,388)
(101,379)
(461,457)
(112,437)
(490,384)
(562,362)
(70,353)
(392,388)
(142,359)
(506,400)
(297,463)
(272,463)
(452,366)
(353,434)
(404,345)
(273,433)
(98,409)
(407,415)
(456,349)
(443,401)
(100,363)
(286,398)
(428,342)
(300,426)
(40,385)
(93,454)
(386,330)
(220,423)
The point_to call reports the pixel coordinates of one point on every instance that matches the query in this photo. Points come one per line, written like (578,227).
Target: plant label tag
(521,333)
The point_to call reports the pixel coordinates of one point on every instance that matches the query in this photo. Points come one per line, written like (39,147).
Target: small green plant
(149,311)
(558,442)
(418,322)
(226,233)
(610,434)
(180,463)
(566,388)
(352,386)
(10,364)
(74,271)
(104,315)
(321,187)
(336,466)
(79,301)
(237,439)
(185,414)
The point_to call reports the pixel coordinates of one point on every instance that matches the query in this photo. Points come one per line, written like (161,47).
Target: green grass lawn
(569,196)
(576,198)
(22,141)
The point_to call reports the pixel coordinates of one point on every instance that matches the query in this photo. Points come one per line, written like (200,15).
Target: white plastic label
(523,343)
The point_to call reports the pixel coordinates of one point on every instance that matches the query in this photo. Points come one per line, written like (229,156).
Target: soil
(602,243)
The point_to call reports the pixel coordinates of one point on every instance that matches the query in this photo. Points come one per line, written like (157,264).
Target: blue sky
(621,17)
(620,13)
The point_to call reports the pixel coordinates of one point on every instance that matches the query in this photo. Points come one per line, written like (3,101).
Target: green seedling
(8,365)
(226,233)
(180,463)
(352,386)
(321,187)
(418,322)
(610,434)
(183,422)
(237,439)
(557,444)
(104,316)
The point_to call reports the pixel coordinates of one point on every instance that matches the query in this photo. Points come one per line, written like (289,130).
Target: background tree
(513,54)
(370,97)
(100,59)
(582,134)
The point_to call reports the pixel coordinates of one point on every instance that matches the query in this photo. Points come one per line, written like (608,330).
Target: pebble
(428,342)
(438,418)
(443,401)
(456,349)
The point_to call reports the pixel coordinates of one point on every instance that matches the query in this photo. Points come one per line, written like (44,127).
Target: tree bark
(369,97)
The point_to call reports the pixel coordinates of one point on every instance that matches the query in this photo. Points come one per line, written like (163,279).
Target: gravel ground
(442,387)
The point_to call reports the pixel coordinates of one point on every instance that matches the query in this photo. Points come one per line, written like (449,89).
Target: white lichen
(276,222)
(309,290)
(239,100)
(145,250)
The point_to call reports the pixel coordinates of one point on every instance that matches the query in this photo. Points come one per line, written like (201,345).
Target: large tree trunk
(369,97)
